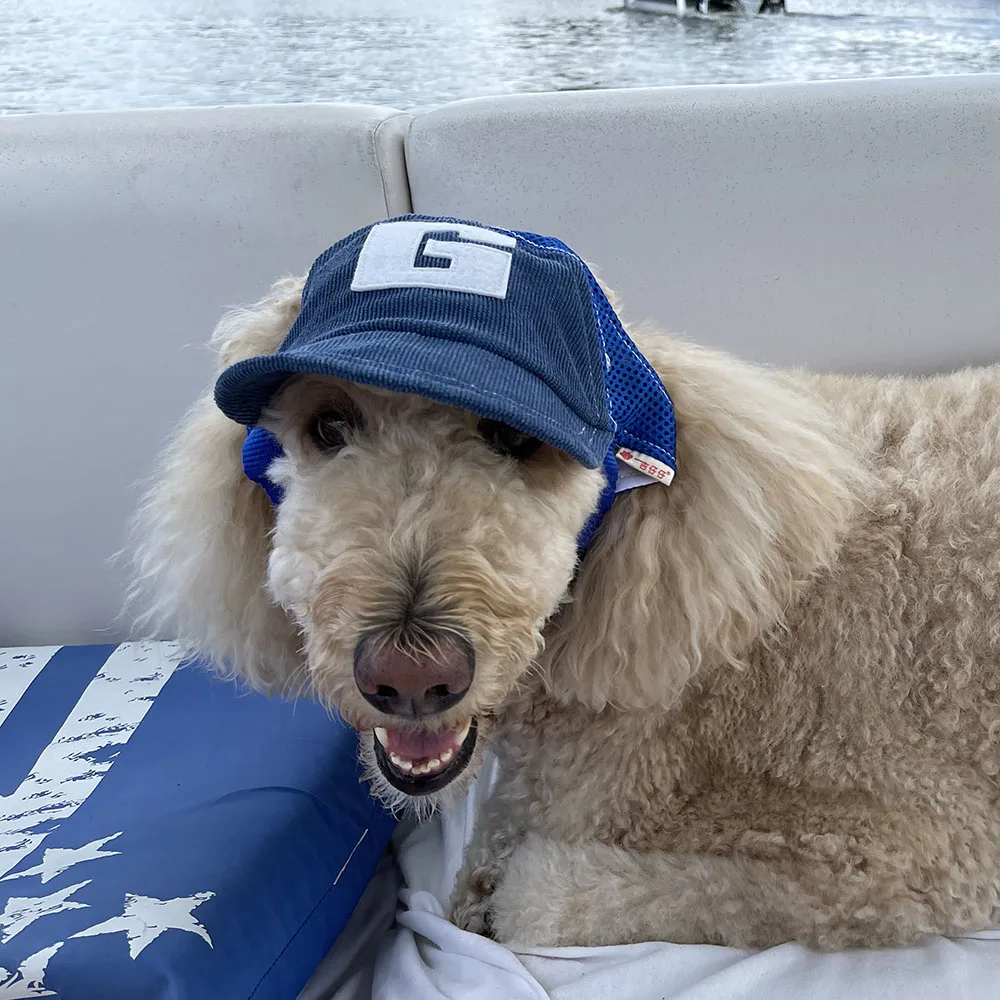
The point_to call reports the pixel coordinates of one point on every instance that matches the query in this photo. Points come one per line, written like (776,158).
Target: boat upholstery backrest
(846,226)
(123,237)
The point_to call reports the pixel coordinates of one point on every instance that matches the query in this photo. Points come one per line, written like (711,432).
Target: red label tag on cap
(652,467)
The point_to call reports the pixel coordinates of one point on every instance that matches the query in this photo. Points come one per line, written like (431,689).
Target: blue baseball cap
(509,325)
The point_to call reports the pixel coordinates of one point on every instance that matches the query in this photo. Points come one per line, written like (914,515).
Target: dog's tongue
(420,745)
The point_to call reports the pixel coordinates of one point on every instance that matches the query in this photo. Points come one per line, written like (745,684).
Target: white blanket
(423,957)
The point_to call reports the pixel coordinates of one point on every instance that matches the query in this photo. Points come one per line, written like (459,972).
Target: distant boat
(682,7)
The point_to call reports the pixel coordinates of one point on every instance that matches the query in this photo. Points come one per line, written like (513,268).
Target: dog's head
(447,429)
(441,451)
(420,550)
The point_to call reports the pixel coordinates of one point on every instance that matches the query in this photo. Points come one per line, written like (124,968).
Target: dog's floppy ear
(691,574)
(201,535)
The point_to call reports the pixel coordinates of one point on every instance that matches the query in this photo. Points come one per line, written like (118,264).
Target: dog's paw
(472,900)
(533,905)
(557,894)
(472,914)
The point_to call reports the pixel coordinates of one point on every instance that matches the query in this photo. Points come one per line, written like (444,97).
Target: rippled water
(58,55)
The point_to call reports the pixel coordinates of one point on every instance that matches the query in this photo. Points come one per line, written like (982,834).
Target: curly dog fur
(765,706)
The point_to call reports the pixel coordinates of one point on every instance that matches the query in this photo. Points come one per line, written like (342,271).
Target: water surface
(64,55)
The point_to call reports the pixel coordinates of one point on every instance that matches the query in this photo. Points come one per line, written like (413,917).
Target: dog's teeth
(460,736)
(382,736)
(430,766)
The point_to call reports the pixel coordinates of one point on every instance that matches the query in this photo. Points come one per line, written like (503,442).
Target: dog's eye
(327,431)
(506,440)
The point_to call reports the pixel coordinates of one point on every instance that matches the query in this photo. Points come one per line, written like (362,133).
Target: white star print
(56,860)
(145,918)
(20,912)
(28,981)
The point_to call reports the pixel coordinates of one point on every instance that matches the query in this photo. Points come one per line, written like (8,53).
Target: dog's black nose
(413,684)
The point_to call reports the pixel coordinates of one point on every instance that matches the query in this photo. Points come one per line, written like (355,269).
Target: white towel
(424,957)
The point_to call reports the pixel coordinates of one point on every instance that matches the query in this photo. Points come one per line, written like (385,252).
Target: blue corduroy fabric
(548,357)
(532,360)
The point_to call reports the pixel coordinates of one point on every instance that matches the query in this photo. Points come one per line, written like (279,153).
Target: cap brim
(456,377)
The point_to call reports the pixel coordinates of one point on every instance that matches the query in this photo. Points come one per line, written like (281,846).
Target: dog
(763,705)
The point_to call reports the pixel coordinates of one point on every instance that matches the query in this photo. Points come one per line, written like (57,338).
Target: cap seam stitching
(518,234)
(642,361)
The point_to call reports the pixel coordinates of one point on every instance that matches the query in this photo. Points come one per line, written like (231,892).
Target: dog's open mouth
(418,763)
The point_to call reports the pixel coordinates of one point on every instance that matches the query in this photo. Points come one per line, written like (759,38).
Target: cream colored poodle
(765,706)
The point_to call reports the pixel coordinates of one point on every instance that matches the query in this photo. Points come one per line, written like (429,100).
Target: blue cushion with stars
(164,833)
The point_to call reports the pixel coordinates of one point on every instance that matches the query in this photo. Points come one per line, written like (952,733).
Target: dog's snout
(398,682)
